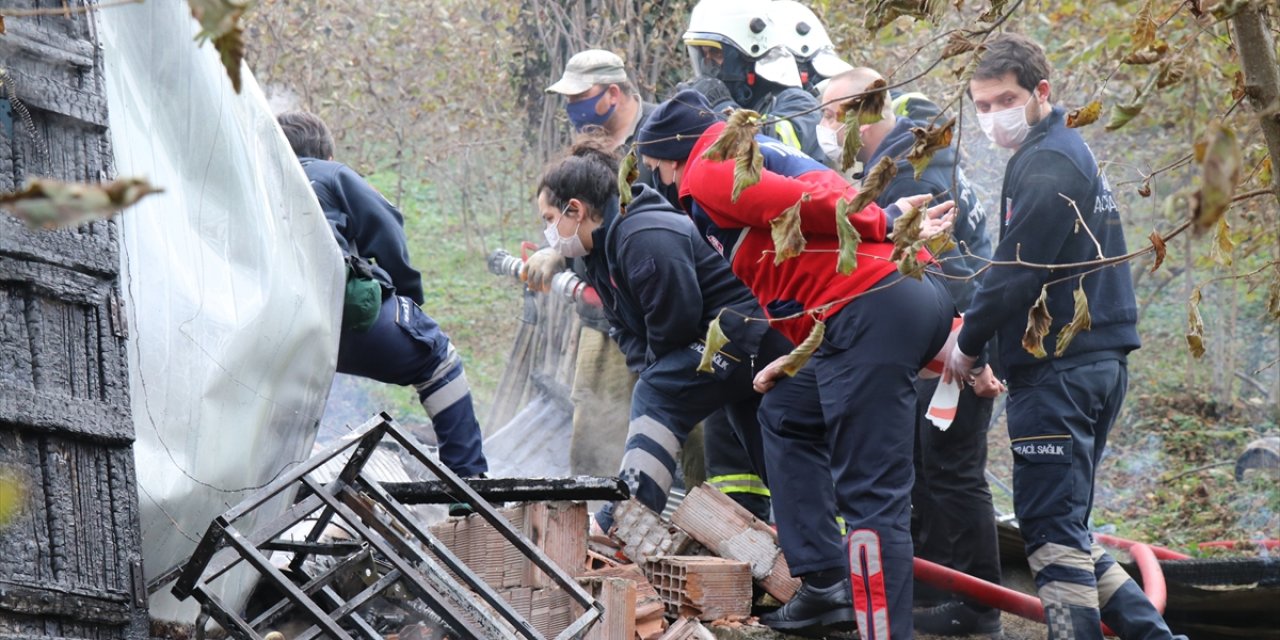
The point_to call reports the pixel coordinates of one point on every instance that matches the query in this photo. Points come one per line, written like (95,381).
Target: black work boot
(812,607)
(956,618)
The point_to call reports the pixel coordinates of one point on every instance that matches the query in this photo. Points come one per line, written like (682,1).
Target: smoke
(281,98)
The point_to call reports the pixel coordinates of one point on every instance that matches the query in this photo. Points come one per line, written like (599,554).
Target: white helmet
(803,34)
(744,26)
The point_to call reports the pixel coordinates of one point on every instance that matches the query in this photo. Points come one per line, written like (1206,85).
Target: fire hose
(566,284)
(1027,606)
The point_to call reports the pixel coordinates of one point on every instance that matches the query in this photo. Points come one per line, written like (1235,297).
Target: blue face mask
(582,114)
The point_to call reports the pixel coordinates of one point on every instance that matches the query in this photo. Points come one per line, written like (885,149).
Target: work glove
(541,267)
(713,89)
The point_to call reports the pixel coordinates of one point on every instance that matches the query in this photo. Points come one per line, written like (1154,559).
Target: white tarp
(233,285)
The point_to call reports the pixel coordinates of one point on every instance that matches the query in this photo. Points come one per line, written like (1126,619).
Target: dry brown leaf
(1150,54)
(848,236)
(742,126)
(940,244)
(909,263)
(628,172)
(928,142)
(1145,189)
(1158,243)
(1195,325)
(1219,174)
(1265,175)
(874,183)
(906,232)
(1038,323)
(1237,86)
(220,23)
(1,25)
(49,203)
(788,241)
(1080,321)
(748,167)
(1121,114)
(1085,115)
(715,341)
(864,109)
(867,107)
(1144,27)
(994,13)
(956,45)
(803,351)
(1223,245)
(1172,72)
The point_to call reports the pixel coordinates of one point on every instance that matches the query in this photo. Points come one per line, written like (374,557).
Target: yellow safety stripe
(759,491)
(739,483)
(900,103)
(787,134)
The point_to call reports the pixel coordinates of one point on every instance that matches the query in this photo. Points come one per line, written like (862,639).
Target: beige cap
(587,69)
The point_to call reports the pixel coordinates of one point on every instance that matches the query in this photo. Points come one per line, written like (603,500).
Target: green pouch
(362,299)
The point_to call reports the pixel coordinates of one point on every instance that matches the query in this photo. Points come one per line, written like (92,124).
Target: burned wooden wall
(70,562)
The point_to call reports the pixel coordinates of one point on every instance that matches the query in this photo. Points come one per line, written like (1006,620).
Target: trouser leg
(1058,424)
(669,399)
(1125,608)
(799,466)
(406,347)
(959,517)
(729,467)
(601,396)
(867,368)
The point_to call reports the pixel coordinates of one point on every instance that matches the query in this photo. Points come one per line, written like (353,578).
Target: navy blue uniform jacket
(661,284)
(1040,226)
(365,224)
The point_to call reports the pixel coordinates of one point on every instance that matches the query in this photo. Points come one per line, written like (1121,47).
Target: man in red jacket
(840,431)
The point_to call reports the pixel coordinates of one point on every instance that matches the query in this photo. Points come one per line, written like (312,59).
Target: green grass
(479,311)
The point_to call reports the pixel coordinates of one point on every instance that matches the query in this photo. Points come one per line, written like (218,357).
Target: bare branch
(1080,220)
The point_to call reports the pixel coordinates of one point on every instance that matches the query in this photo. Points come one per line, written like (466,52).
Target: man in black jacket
(952,518)
(404,346)
(1056,208)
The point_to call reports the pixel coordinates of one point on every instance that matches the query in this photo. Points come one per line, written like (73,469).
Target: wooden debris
(730,531)
(701,587)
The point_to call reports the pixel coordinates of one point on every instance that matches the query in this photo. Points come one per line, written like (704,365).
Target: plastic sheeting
(233,286)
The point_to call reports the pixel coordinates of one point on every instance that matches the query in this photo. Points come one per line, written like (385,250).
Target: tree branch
(1080,219)
(1261,77)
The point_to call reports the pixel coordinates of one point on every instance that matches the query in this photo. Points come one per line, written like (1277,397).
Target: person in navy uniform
(1061,407)
(404,346)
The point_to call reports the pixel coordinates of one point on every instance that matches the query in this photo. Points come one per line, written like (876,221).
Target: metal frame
(388,534)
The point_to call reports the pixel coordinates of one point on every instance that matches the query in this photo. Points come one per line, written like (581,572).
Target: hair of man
(308,134)
(1017,54)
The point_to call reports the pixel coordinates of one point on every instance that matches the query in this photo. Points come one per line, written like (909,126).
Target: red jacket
(809,279)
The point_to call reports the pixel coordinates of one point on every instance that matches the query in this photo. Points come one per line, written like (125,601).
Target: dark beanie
(674,126)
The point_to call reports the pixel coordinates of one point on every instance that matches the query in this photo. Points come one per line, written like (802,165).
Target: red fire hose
(1240,544)
(1161,553)
(1027,606)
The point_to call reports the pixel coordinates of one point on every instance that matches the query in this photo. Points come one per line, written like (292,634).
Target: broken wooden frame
(387,531)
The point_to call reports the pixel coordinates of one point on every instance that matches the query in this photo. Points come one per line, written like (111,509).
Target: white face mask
(570,247)
(1007,128)
(829,140)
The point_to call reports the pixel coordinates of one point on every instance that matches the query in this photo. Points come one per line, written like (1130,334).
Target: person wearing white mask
(661,285)
(1063,403)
